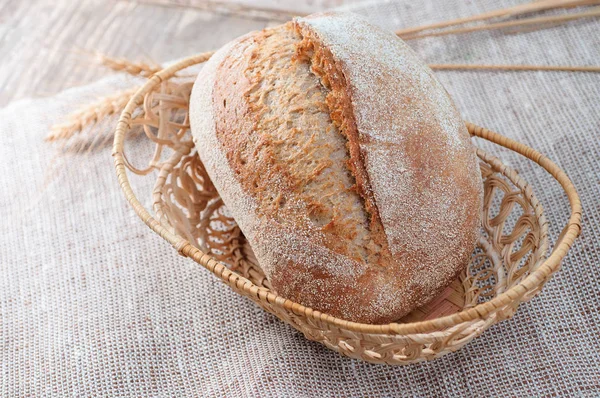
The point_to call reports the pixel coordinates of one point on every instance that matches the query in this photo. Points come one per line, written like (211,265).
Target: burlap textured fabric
(92,303)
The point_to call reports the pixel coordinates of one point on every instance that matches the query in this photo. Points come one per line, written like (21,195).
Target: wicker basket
(509,266)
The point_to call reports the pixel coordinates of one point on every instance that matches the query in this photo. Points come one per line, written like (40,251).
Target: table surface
(48,45)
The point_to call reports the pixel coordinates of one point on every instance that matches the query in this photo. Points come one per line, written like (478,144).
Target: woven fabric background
(92,303)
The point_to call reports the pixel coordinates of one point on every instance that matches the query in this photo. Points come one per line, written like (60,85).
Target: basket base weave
(450,301)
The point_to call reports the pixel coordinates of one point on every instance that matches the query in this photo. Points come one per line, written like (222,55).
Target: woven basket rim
(565,241)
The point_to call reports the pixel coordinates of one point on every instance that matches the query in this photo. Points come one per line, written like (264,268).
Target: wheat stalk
(97,111)
(535,6)
(90,115)
(127,66)
(553,68)
(538,21)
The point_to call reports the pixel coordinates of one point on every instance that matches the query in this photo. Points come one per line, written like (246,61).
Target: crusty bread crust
(386,211)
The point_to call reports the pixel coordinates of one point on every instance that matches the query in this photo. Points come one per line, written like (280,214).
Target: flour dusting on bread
(344,162)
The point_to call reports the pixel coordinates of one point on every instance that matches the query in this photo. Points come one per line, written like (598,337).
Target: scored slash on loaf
(344,162)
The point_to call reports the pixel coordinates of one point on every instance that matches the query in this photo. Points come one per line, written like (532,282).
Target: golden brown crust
(355,183)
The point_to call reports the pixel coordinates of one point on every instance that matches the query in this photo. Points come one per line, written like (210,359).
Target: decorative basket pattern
(509,266)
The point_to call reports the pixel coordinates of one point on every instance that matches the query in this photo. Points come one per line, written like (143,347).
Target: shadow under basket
(509,266)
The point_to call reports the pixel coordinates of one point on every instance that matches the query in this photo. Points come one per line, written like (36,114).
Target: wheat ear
(90,115)
(127,66)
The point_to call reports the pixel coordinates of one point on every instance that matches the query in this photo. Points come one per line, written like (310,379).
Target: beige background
(93,304)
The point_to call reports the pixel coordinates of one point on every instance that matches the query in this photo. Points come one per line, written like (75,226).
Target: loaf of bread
(344,162)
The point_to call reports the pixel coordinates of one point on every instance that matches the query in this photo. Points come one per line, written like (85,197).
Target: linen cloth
(92,303)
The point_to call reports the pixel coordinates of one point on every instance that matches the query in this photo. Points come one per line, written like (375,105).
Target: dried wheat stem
(228,7)
(535,6)
(595,12)
(90,115)
(125,65)
(556,68)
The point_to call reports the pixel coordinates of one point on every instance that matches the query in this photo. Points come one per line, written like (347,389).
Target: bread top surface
(288,154)
(409,130)
(343,161)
